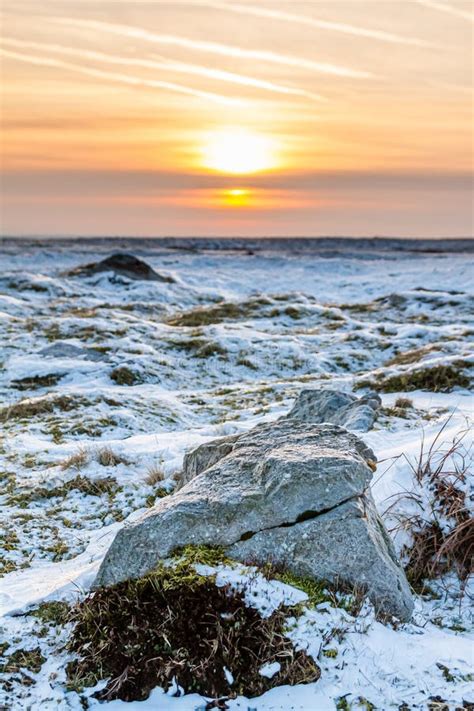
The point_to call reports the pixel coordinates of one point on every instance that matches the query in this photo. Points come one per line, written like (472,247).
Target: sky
(202,117)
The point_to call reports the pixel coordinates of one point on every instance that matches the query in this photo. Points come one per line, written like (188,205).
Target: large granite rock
(290,492)
(326,405)
(122,264)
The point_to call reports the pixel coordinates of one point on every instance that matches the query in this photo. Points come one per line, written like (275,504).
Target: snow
(343,330)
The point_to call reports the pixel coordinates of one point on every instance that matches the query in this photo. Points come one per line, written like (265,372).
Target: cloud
(166,64)
(315,22)
(216,48)
(449,9)
(121,78)
(153,182)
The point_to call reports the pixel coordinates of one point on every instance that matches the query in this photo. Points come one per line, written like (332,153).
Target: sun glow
(238,151)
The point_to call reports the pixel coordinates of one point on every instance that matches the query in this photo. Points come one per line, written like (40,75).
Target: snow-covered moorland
(106,382)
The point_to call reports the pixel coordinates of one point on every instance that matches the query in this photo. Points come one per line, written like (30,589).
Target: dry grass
(442,530)
(154,475)
(105,456)
(77,461)
(403,403)
(108,458)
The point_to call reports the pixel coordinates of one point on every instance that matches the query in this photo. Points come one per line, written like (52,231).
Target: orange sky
(150,117)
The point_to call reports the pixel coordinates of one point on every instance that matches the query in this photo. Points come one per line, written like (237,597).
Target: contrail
(166,64)
(443,7)
(315,22)
(122,78)
(215,48)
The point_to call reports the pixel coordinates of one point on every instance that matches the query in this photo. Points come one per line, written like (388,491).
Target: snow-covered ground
(314,315)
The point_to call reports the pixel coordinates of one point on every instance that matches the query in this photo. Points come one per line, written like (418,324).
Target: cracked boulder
(326,405)
(122,264)
(288,492)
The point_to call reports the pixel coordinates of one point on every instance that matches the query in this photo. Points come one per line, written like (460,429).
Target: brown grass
(77,461)
(442,533)
(154,475)
(108,458)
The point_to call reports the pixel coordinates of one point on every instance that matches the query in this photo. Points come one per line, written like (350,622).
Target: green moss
(342,704)
(315,590)
(158,494)
(202,554)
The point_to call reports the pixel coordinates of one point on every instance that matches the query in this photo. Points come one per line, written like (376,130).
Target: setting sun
(239,151)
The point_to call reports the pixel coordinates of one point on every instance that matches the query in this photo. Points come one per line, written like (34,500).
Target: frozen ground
(78,447)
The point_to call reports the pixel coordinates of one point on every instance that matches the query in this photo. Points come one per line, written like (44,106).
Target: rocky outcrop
(291,492)
(325,405)
(122,264)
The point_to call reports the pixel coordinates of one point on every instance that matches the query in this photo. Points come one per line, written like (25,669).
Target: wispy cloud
(315,22)
(121,78)
(167,65)
(216,48)
(445,7)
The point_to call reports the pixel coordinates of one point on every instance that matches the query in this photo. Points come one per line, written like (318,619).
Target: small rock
(326,405)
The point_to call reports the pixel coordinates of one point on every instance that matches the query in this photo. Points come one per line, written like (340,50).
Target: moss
(125,376)
(342,704)
(36,381)
(162,629)
(30,659)
(203,554)
(59,550)
(315,590)
(330,653)
(158,494)
(441,378)
(55,612)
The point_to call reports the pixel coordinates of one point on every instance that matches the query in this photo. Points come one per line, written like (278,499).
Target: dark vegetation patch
(37,381)
(96,487)
(125,376)
(175,624)
(54,612)
(199,347)
(440,378)
(30,659)
(26,409)
(218,313)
